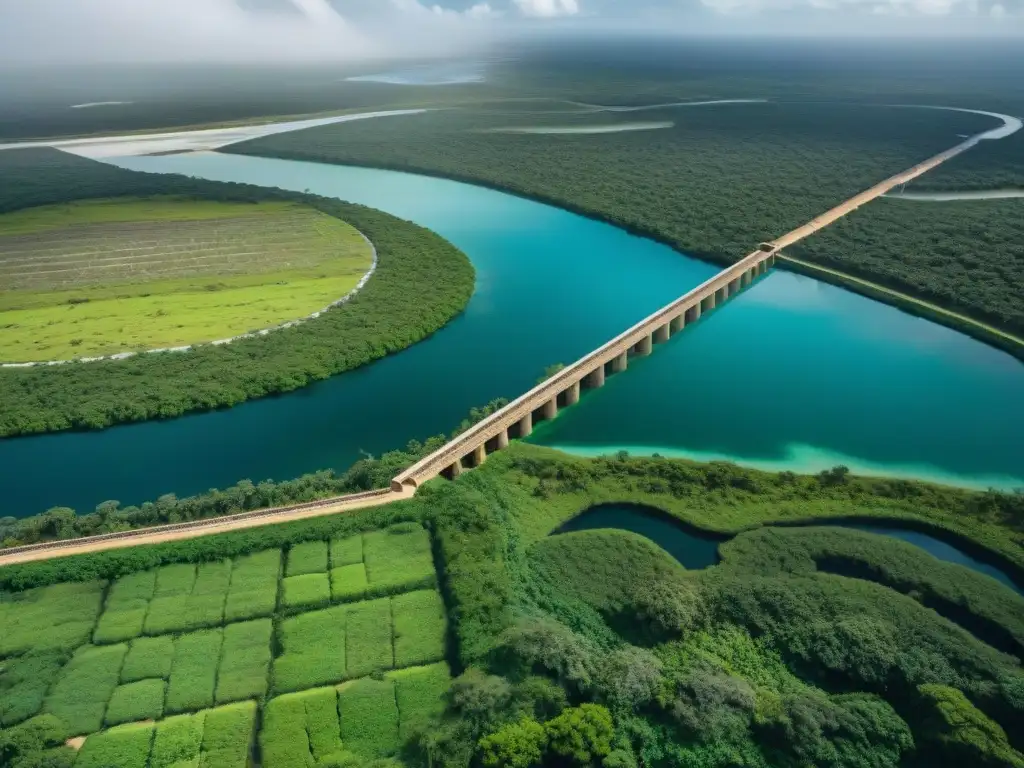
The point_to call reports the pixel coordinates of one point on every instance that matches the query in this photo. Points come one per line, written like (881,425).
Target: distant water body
(430,74)
(793,374)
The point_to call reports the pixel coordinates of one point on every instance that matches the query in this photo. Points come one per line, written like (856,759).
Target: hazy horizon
(44,32)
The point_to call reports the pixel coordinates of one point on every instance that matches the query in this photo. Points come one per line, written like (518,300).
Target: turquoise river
(793,374)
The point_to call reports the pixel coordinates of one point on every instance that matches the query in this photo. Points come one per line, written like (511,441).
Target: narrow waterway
(794,374)
(696,549)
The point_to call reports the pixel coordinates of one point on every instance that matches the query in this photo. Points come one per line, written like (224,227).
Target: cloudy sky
(34,31)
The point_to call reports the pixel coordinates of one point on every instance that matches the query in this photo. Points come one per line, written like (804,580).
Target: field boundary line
(221,342)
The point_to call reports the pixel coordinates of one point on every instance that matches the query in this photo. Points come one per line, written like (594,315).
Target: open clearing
(106,276)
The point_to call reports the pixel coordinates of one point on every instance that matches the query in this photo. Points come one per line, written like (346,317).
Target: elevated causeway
(516,419)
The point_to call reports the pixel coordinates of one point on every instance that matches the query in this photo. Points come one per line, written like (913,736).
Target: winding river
(695,549)
(794,374)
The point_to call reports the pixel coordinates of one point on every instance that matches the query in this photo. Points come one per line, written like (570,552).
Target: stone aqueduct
(516,419)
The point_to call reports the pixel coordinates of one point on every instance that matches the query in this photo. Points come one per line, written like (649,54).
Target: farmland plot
(102,276)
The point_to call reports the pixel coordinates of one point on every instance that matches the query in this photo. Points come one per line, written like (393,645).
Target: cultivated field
(178,659)
(104,276)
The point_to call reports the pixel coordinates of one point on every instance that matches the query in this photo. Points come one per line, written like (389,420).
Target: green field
(168,650)
(420,283)
(98,277)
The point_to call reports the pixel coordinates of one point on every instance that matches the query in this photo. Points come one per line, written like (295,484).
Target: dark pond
(696,549)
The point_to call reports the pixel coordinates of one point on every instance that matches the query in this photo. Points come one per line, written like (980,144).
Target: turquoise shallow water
(792,374)
(796,374)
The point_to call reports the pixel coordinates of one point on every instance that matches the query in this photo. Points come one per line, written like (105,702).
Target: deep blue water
(792,374)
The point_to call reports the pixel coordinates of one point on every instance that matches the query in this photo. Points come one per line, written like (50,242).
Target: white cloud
(548,8)
(55,31)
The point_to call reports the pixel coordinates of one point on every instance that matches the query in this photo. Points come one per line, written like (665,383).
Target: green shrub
(306,591)
(194,671)
(148,657)
(126,607)
(24,681)
(368,637)
(126,746)
(369,718)
(133,702)
(348,582)
(175,580)
(515,745)
(227,735)
(178,742)
(244,661)
(253,590)
(581,734)
(57,617)
(80,695)
(347,551)
(313,650)
(398,557)
(420,627)
(956,733)
(420,694)
(307,557)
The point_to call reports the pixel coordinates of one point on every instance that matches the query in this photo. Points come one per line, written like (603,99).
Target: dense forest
(718,182)
(990,165)
(964,255)
(421,283)
(803,646)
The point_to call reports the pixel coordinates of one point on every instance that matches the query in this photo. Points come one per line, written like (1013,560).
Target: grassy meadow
(98,277)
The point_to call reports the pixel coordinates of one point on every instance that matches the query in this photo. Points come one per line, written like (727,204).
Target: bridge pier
(526,425)
(661,334)
(644,346)
(550,408)
(479,455)
(503,440)
(735,286)
(677,324)
(693,313)
(572,394)
(456,469)
(620,363)
(748,277)
(709,303)
(595,378)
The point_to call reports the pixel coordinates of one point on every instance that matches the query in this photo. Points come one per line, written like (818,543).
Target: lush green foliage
(60,616)
(36,743)
(988,610)
(132,702)
(307,557)
(24,681)
(148,657)
(80,695)
(194,671)
(308,590)
(253,590)
(126,746)
(177,742)
(965,255)
(227,734)
(421,282)
(514,745)
(959,734)
(990,165)
(244,661)
(419,628)
(369,717)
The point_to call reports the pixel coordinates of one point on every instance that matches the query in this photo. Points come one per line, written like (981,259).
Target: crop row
(113,684)
(220,737)
(365,718)
(349,641)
